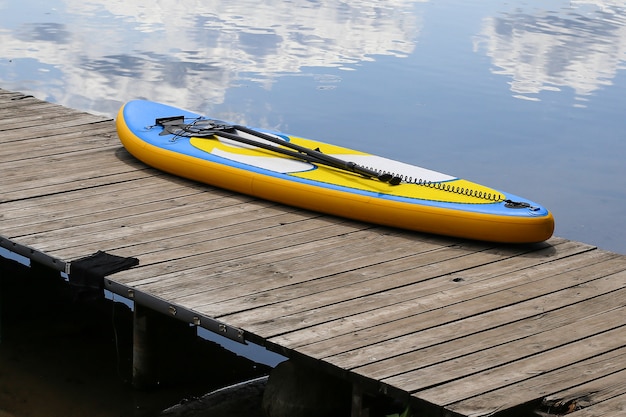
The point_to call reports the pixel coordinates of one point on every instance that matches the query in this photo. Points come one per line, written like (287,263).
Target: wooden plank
(53,120)
(182,235)
(125,221)
(257,298)
(307,274)
(605,396)
(266,264)
(545,374)
(219,250)
(321,300)
(477,390)
(384,285)
(16,104)
(13,103)
(102,209)
(64,180)
(33,115)
(80,138)
(450,312)
(53,129)
(425,297)
(84,164)
(355,281)
(429,311)
(45,189)
(302,230)
(374,338)
(498,327)
(454,362)
(24,135)
(10,95)
(76,202)
(30,181)
(13,107)
(615,407)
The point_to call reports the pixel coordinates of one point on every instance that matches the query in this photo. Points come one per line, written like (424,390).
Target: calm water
(526,96)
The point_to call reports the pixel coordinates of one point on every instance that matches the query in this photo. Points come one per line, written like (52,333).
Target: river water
(525,96)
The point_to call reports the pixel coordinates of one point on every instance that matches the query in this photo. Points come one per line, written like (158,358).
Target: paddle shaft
(320,157)
(294,154)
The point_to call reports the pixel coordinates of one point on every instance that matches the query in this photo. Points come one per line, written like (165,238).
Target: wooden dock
(458,328)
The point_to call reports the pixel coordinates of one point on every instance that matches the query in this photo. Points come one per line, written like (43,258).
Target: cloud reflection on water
(582,48)
(113,51)
(117,50)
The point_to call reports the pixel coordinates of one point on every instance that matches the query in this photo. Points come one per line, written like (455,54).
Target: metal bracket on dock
(174,310)
(33,254)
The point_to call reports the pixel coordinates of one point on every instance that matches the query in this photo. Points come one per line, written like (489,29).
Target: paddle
(176,126)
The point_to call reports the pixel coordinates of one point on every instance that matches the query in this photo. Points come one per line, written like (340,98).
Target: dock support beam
(2,291)
(357,402)
(158,341)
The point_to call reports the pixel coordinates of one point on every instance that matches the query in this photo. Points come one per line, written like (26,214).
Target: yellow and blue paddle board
(423,200)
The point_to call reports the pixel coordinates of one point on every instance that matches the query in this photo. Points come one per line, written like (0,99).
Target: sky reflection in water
(522,96)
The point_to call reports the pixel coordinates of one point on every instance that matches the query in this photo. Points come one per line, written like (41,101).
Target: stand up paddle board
(326,178)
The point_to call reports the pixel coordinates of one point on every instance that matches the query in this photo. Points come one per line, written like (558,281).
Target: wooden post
(160,348)
(145,362)
(1,295)
(358,409)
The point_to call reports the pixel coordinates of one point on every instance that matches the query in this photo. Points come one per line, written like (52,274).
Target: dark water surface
(68,356)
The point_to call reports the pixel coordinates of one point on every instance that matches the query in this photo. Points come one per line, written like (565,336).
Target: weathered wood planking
(458,327)
(601,398)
